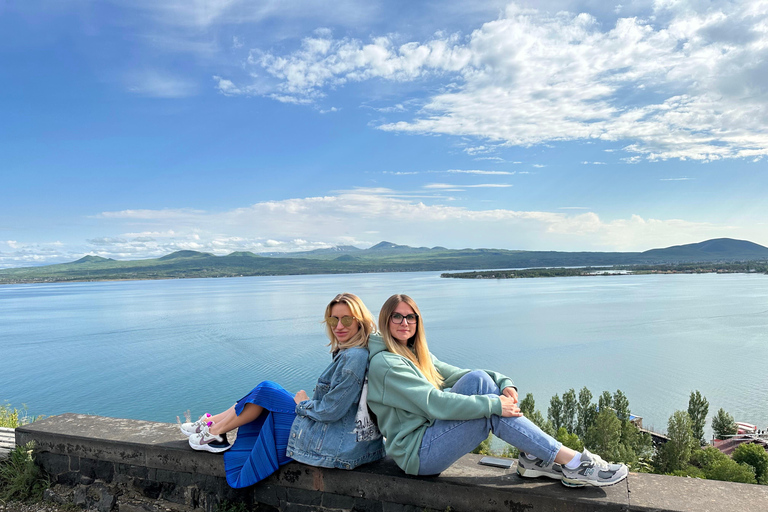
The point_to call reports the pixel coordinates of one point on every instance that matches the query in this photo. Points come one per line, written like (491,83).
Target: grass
(12,417)
(20,478)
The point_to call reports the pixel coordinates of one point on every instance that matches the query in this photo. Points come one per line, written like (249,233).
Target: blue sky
(131,129)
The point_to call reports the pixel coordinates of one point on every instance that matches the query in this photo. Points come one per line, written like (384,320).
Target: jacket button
(293,435)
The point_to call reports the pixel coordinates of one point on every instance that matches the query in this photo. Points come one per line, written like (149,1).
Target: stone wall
(129,466)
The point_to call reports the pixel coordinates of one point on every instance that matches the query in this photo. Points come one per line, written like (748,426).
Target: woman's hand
(301,396)
(509,406)
(510,392)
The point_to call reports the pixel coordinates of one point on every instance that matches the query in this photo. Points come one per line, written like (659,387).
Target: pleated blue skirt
(260,445)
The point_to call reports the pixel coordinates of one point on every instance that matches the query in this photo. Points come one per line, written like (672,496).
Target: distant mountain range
(382,257)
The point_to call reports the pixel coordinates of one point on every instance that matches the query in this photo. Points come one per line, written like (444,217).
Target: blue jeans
(445,441)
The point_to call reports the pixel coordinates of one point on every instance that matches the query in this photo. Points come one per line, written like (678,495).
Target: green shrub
(731,471)
(20,478)
(689,471)
(756,456)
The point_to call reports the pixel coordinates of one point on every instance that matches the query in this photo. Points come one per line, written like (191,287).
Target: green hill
(382,257)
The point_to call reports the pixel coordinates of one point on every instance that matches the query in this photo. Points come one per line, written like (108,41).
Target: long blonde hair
(416,349)
(364,320)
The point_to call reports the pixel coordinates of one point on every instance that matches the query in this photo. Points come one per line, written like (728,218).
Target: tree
(677,451)
(585,412)
(605,401)
(555,412)
(528,408)
(604,435)
(621,405)
(723,425)
(698,407)
(528,405)
(569,439)
(756,456)
(570,407)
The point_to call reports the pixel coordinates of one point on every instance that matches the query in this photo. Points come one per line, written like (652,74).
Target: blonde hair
(416,349)
(364,320)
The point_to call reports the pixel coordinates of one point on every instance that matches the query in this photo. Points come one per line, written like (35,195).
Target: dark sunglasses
(346,321)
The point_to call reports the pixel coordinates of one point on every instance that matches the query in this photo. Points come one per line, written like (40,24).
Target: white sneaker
(594,471)
(535,468)
(194,427)
(208,442)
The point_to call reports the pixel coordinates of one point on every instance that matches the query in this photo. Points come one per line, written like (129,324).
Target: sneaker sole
(210,447)
(534,473)
(570,482)
(188,434)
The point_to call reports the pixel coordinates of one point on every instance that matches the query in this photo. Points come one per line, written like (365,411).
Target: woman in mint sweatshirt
(432,413)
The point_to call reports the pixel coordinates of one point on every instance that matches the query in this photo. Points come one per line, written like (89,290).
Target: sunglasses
(346,321)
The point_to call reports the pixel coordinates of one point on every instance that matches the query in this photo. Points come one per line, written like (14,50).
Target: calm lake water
(153,349)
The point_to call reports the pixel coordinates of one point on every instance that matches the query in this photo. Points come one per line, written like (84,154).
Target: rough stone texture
(139,466)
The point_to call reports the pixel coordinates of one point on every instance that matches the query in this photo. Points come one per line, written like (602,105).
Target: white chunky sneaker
(594,471)
(535,468)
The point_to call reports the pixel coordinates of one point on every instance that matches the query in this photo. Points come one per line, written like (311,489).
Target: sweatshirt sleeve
(451,374)
(346,385)
(404,387)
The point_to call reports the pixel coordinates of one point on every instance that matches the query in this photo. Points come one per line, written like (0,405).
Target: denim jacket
(323,433)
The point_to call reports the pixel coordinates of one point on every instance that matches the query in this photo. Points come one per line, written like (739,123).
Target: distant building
(727,446)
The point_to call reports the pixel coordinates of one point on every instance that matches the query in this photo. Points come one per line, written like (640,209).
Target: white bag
(365,428)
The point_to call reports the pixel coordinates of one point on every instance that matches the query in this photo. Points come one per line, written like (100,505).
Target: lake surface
(153,349)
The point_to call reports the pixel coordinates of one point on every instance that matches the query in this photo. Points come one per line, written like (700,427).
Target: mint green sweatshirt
(405,403)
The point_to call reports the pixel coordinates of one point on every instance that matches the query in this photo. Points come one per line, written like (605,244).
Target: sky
(130,129)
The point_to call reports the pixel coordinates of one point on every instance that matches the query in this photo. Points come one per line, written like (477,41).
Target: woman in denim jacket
(276,427)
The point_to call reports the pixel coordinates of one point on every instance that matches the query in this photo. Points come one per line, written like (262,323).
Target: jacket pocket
(310,436)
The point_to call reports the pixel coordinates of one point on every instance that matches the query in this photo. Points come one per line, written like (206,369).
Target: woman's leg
(446,441)
(222,415)
(230,420)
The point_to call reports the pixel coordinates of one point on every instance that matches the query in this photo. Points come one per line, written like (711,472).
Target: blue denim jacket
(323,433)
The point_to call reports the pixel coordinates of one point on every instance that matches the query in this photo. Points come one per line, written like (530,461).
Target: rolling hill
(382,257)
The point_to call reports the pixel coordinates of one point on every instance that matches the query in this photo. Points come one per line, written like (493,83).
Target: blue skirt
(260,445)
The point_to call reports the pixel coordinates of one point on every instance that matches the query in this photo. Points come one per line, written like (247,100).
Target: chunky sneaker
(535,468)
(194,427)
(594,471)
(209,442)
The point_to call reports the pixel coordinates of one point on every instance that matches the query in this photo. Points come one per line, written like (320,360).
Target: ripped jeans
(445,441)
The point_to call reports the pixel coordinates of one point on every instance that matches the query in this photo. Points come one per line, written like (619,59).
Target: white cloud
(447,186)
(681,81)
(675,179)
(159,84)
(364,217)
(495,173)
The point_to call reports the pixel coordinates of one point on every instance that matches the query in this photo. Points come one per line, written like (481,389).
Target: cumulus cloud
(363,217)
(683,80)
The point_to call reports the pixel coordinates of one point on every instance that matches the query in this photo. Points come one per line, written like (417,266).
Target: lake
(153,349)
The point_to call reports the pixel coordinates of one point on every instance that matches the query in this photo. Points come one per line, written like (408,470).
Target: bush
(756,456)
(20,478)
(706,457)
(731,471)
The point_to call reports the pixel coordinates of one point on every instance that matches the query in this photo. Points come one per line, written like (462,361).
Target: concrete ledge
(155,460)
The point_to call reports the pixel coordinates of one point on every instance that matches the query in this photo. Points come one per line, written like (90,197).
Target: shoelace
(599,462)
